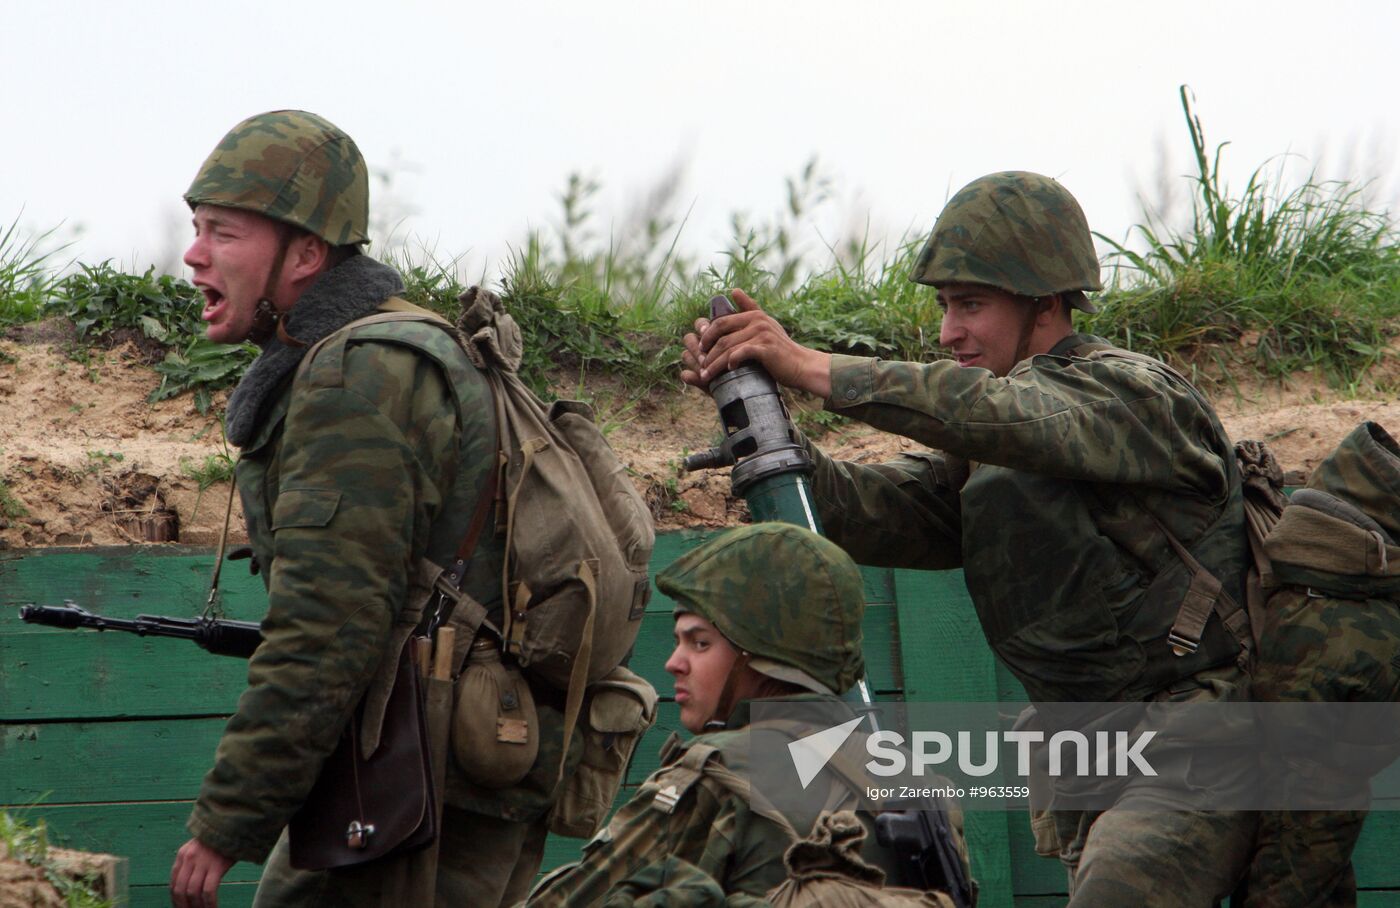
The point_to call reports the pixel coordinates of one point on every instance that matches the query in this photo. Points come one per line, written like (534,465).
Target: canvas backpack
(577,535)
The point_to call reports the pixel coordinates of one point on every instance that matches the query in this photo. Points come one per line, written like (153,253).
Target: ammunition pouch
(620,707)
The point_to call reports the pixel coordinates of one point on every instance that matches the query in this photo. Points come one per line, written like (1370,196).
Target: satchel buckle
(357,835)
(1181,644)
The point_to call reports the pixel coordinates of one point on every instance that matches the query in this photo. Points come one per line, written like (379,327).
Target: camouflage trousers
(1303,857)
(1163,858)
(482,861)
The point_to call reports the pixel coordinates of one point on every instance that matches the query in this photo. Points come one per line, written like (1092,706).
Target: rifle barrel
(220,637)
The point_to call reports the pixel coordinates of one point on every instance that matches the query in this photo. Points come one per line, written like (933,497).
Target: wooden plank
(126,580)
(46,673)
(231,895)
(946,659)
(65,763)
(944,655)
(82,675)
(1377,899)
(1374,856)
(105,874)
(923,620)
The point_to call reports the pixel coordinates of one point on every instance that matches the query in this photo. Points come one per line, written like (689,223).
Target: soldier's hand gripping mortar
(772,469)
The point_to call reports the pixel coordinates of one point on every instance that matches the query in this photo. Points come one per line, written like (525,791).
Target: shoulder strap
(706,759)
(1205,594)
(449,581)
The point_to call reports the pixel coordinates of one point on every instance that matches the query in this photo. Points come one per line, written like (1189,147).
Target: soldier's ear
(307,256)
(1051,309)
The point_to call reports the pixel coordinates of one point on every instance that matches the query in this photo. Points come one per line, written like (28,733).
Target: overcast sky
(479,111)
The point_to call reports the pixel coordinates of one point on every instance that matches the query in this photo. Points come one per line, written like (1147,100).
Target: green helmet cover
(1017,231)
(786,596)
(292,166)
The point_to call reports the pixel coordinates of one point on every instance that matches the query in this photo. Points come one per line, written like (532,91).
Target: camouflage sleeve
(671,882)
(355,498)
(712,833)
(1078,419)
(904,513)
(676,883)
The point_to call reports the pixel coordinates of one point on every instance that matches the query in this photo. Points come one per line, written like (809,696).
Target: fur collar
(352,289)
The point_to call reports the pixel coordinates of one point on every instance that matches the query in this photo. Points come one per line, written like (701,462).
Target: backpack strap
(446,582)
(706,760)
(1205,594)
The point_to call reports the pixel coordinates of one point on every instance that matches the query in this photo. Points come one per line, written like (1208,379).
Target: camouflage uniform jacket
(1044,495)
(688,835)
(370,459)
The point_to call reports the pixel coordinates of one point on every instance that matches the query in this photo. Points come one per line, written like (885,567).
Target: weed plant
(26,277)
(102,302)
(1311,272)
(1308,275)
(21,840)
(11,508)
(99,300)
(214,469)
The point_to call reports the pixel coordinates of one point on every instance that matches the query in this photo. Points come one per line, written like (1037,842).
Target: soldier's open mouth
(212,301)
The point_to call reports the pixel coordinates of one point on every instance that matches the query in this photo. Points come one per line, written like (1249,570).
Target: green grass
(1309,270)
(214,469)
(26,275)
(11,507)
(1306,273)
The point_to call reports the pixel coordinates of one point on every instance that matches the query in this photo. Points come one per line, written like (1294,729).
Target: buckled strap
(1203,596)
(1195,611)
(673,781)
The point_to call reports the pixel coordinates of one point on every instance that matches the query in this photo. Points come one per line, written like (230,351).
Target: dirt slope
(86,461)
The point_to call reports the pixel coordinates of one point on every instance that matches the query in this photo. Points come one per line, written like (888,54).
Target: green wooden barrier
(107,736)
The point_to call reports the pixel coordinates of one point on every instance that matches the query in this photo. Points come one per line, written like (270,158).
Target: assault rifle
(218,636)
(922,840)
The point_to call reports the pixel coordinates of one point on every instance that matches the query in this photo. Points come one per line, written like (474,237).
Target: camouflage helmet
(292,166)
(1016,231)
(789,598)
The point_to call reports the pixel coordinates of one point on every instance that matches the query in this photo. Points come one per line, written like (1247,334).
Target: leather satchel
(365,808)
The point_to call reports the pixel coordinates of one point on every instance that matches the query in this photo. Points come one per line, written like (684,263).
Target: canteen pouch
(495,729)
(621,707)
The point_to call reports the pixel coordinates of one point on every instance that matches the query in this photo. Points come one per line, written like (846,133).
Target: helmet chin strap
(726,702)
(267,321)
(1023,343)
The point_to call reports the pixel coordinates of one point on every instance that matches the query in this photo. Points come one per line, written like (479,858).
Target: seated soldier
(694,834)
